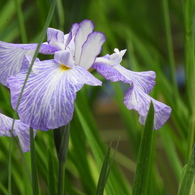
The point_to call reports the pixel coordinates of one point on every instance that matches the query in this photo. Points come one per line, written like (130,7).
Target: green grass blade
(51,175)
(26,173)
(144,156)
(170,48)
(3,189)
(190,71)
(189,53)
(80,151)
(112,160)
(60,14)
(103,174)
(171,153)
(21,21)
(61,136)
(10,167)
(116,183)
(48,20)
(188,176)
(35,185)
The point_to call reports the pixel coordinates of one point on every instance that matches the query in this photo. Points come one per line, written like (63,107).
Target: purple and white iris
(48,98)
(20,130)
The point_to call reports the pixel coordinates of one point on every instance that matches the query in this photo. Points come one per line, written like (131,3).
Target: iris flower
(48,98)
(141,83)
(20,130)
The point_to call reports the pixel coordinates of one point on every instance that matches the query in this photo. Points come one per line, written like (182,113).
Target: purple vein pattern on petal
(11,57)
(140,101)
(110,68)
(20,129)
(48,98)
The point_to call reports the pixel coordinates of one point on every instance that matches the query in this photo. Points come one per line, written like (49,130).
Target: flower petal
(113,59)
(11,56)
(160,117)
(48,98)
(64,57)
(143,80)
(85,28)
(109,72)
(140,101)
(110,68)
(142,83)
(20,129)
(55,38)
(91,49)
(71,35)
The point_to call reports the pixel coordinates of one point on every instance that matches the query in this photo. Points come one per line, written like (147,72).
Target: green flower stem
(61,177)
(190,72)
(21,21)
(170,48)
(60,14)
(143,169)
(42,36)
(33,164)
(61,138)
(10,167)
(187,178)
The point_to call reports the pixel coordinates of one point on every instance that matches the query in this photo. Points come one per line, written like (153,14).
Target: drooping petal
(48,98)
(140,101)
(160,117)
(11,56)
(143,80)
(85,28)
(142,83)
(109,72)
(20,129)
(91,49)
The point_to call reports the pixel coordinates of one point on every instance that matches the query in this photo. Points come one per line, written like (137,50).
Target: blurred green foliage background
(154,34)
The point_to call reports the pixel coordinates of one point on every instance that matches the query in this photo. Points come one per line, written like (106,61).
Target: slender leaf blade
(188,176)
(51,175)
(145,151)
(103,174)
(35,184)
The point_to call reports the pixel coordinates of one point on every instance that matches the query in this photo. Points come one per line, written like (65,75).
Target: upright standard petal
(71,35)
(91,48)
(85,28)
(11,56)
(136,97)
(82,42)
(48,98)
(56,38)
(20,130)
